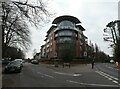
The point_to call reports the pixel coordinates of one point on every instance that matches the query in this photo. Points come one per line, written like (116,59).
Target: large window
(65,33)
(66,23)
(64,39)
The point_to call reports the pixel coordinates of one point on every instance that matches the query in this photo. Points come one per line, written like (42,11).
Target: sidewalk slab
(74,68)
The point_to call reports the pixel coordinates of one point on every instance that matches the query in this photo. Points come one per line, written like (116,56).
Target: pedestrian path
(73,68)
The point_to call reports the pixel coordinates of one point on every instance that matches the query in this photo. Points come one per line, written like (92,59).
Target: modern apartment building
(65,37)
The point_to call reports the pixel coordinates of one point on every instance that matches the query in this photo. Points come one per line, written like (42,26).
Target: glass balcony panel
(66,23)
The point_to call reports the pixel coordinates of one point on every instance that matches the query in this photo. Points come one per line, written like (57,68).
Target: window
(56,35)
(50,49)
(47,45)
(48,40)
(65,39)
(76,35)
(80,36)
(66,23)
(65,33)
(51,37)
(51,44)
(80,48)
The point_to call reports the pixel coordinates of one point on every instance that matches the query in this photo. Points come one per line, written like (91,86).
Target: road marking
(109,78)
(110,67)
(113,79)
(68,74)
(107,75)
(91,84)
(76,75)
(45,75)
(63,73)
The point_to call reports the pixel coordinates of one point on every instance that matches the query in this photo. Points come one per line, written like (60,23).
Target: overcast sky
(94,15)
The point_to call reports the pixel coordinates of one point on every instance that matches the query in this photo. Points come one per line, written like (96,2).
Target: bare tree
(15,30)
(111,33)
(113,28)
(96,51)
(15,16)
(35,12)
(34,52)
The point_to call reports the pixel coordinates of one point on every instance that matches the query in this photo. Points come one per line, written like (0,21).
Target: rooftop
(66,17)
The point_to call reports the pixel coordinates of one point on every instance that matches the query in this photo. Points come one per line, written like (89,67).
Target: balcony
(65,27)
(66,33)
(65,36)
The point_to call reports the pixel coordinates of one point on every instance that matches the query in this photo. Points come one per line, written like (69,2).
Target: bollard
(56,64)
(117,64)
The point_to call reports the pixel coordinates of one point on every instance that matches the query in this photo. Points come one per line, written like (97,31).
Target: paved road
(109,71)
(43,75)
(108,68)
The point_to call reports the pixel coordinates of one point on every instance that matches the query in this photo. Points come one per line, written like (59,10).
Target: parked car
(20,60)
(35,62)
(5,61)
(13,66)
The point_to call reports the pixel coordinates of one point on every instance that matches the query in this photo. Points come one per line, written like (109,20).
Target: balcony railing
(65,27)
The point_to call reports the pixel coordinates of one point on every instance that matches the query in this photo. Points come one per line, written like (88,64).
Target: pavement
(76,68)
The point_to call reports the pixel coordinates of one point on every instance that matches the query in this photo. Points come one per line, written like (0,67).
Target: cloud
(94,15)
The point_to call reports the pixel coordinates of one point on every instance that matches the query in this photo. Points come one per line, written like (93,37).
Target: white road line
(110,67)
(45,75)
(76,75)
(104,74)
(92,84)
(63,73)
(113,79)
(67,74)
(110,76)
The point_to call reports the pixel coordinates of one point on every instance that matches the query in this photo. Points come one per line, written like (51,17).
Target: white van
(112,61)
